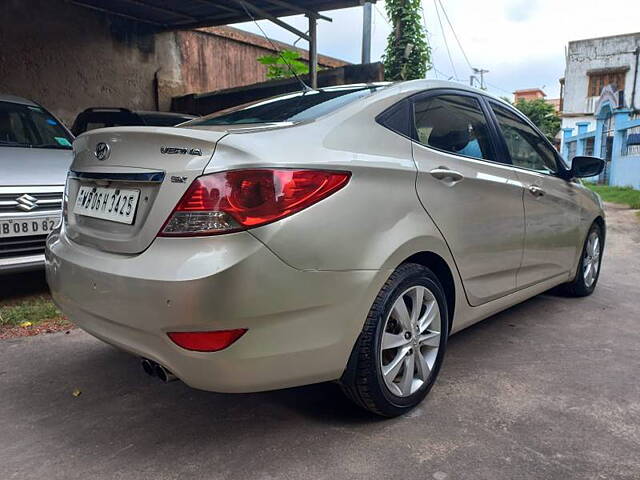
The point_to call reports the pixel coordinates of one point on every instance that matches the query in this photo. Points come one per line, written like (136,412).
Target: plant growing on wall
(281,64)
(542,114)
(407,56)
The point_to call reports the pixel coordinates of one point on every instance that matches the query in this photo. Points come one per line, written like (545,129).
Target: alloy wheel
(591,260)
(410,341)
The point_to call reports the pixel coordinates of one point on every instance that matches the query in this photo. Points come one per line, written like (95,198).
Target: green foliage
(407,56)
(33,309)
(623,195)
(280,65)
(542,114)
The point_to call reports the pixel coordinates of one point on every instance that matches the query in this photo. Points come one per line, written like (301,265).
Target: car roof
(427,84)
(15,99)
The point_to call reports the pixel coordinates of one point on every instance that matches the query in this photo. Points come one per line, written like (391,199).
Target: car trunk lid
(158,163)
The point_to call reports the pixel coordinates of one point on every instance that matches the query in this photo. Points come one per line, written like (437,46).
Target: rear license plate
(113,204)
(24,227)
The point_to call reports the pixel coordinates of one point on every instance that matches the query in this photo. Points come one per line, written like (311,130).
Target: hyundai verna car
(35,154)
(338,234)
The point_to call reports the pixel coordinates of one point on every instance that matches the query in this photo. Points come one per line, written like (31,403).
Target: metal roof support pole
(313,50)
(366,32)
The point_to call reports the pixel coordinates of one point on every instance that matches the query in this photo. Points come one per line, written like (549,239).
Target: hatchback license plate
(22,227)
(113,204)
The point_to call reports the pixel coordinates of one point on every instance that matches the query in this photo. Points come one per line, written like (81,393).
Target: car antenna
(305,87)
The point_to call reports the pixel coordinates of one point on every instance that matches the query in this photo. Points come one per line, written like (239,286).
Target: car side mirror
(583,167)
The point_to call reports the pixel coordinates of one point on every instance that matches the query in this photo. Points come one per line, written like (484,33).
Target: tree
(407,55)
(281,64)
(542,114)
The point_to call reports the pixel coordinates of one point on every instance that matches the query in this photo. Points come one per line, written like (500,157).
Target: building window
(589,144)
(599,80)
(632,142)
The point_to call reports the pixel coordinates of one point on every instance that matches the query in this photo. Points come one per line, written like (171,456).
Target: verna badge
(180,151)
(102,151)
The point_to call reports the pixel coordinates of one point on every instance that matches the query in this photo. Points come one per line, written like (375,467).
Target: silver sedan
(338,234)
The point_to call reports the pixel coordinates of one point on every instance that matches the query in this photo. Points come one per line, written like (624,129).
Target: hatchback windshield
(293,107)
(31,126)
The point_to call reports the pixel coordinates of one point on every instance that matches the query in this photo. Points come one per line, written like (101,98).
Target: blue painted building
(615,137)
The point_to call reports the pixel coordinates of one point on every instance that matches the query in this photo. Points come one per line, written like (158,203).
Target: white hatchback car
(35,154)
(339,234)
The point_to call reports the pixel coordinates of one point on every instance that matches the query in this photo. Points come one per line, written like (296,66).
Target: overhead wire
(464,53)
(455,35)
(426,32)
(446,43)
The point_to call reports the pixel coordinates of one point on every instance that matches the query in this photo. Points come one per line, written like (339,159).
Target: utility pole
(366,32)
(481,72)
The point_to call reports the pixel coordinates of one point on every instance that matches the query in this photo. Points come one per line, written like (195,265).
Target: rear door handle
(442,173)
(536,191)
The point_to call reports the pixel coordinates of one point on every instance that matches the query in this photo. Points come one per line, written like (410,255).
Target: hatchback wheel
(588,270)
(400,350)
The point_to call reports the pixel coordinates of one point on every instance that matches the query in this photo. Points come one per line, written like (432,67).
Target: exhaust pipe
(148,367)
(164,375)
(154,369)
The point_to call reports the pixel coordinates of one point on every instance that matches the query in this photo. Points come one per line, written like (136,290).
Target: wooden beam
(276,20)
(117,14)
(159,9)
(298,9)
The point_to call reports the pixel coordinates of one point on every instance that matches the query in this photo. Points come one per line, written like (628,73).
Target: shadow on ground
(13,286)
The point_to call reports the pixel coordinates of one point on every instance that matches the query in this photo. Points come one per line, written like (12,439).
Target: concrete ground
(549,389)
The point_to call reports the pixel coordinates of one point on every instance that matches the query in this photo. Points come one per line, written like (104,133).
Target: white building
(593,64)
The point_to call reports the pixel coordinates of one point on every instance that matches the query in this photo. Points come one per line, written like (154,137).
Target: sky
(521,42)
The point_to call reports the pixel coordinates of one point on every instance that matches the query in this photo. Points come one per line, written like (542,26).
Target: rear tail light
(236,200)
(206,341)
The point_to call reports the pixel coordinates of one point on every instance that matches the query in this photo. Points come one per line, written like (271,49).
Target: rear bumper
(21,264)
(301,324)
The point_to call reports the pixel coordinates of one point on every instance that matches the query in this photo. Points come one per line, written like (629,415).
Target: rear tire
(588,270)
(399,353)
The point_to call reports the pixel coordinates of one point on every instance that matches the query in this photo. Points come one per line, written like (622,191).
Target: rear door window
(397,118)
(453,123)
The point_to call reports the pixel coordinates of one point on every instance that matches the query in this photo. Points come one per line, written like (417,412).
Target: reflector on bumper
(206,341)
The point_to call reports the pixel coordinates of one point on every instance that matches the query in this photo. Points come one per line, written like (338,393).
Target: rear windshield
(30,126)
(163,120)
(292,107)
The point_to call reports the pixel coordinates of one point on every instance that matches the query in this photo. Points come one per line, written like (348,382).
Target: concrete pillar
(620,121)
(597,144)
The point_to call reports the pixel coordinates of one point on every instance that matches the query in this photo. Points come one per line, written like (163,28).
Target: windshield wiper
(53,145)
(11,143)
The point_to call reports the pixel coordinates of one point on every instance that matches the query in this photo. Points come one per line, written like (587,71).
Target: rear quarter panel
(363,224)
(591,208)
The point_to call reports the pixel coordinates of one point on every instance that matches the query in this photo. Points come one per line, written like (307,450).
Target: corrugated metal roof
(185,14)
